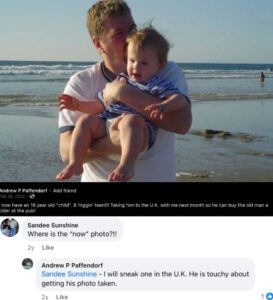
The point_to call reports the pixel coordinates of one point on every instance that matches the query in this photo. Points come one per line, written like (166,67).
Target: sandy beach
(28,145)
(238,150)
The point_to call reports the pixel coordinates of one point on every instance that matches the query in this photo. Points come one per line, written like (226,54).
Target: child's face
(142,63)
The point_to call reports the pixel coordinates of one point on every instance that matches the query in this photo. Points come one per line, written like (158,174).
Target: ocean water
(39,83)
(228,81)
(34,83)
(225,97)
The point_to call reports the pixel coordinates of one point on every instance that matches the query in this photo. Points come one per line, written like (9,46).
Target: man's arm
(175,121)
(64,145)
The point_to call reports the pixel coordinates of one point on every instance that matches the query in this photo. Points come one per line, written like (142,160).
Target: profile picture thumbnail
(27,263)
(9,227)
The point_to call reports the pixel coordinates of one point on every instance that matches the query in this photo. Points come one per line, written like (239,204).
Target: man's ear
(98,45)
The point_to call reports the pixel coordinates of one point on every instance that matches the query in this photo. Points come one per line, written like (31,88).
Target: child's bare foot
(69,171)
(122,173)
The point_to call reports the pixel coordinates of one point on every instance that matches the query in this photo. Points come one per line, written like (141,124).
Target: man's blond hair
(102,9)
(148,36)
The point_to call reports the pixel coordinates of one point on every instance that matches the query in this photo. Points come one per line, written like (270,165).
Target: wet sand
(29,149)
(230,141)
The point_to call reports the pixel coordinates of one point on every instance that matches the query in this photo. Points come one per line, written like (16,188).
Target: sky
(227,31)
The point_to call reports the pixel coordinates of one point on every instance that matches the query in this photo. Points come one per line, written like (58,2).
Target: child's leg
(134,138)
(86,130)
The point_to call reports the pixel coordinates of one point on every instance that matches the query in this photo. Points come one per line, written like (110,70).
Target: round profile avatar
(27,263)
(9,227)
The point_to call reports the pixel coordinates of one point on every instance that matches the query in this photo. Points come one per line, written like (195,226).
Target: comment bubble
(145,274)
(72,229)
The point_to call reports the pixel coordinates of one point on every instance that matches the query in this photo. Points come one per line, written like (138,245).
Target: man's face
(116,30)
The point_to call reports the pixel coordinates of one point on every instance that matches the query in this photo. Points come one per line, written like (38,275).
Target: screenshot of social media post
(136,155)
(73,248)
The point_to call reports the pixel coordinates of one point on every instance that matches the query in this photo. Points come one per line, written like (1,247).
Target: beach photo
(225,51)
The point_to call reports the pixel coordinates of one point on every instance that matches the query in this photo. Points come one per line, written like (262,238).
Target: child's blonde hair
(148,36)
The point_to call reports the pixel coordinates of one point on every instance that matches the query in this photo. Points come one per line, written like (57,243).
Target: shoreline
(243,153)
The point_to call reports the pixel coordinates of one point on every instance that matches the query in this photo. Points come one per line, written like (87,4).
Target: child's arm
(172,103)
(93,107)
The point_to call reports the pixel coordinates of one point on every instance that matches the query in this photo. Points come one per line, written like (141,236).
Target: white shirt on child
(157,164)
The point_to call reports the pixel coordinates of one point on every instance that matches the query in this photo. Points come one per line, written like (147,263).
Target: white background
(147,237)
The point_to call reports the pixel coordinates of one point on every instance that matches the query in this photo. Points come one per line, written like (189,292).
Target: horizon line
(90,61)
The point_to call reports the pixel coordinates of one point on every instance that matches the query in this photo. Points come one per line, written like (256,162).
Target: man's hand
(109,144)
(114,134)
(112,91)
(68,102)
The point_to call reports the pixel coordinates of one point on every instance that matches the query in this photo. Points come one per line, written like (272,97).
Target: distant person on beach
(109,23)
(262,77)
(147,52)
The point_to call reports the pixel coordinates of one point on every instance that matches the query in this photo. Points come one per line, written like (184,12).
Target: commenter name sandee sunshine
(69,274)
(52,225)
